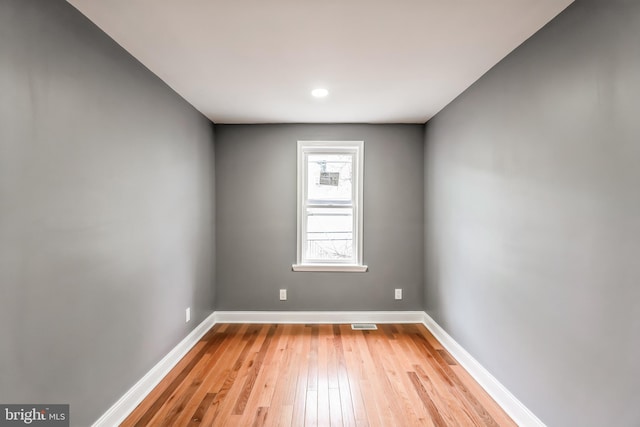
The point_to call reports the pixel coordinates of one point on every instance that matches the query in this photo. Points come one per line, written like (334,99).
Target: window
(330,206)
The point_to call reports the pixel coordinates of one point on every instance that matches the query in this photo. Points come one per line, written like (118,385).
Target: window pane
(330,234)
(329,177)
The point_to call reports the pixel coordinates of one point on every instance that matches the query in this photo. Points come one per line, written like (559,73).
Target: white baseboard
(132,398)
(509,403)
(319,316)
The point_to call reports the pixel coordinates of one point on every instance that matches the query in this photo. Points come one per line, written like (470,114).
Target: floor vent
(364,326)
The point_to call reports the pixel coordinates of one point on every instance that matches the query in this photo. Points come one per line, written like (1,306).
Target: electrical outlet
(398,294)
(283,294)
(188,314)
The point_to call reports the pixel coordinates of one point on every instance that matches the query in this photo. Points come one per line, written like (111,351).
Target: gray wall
(533,218)
(106,213)
(256,220)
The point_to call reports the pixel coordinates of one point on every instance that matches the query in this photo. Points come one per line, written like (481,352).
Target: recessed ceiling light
(320,92)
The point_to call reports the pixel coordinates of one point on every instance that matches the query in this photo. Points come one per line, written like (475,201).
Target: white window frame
(356,149)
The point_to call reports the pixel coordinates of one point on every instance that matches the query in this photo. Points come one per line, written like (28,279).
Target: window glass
(329,177)
(329,234)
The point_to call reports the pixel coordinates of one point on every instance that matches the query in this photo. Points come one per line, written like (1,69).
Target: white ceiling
(256,61)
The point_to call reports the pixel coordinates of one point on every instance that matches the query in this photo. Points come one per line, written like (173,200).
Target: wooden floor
(324,375)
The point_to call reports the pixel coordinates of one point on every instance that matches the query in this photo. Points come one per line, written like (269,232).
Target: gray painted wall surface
(106,213)
(256,220)
(533,218)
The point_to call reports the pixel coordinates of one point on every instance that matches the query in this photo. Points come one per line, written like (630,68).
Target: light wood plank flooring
(318,375)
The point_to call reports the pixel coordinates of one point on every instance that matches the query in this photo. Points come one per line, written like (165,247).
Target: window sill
(335,268)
